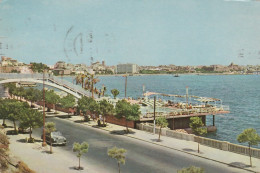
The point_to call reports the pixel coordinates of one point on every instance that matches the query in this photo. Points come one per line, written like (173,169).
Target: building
(220,68)
(7,62)
(127,68)
(61,71)
(60,65)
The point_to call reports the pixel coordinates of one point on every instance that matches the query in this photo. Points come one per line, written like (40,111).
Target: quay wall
(120,122)
(222,145)
(57,107)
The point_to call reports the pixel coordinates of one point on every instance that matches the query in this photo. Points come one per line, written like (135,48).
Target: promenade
(189,147)
(38,159)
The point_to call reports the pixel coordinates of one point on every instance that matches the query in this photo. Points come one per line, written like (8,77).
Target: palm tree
(80,79)
(90,82)
(104,89)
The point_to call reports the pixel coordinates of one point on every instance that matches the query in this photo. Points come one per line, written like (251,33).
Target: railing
(53,79)
(18,75)
(70,85)
(209,142)
(222,145)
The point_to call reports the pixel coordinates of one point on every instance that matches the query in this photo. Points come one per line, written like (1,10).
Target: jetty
(178,109)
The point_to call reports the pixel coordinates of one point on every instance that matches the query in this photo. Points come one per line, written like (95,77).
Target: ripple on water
(240,92)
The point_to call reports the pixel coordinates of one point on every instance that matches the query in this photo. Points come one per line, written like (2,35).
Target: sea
(240,92)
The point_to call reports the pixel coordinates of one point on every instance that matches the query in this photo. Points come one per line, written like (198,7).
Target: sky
(144,32)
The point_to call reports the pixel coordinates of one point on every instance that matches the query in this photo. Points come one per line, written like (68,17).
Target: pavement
(189,147)
(38,159)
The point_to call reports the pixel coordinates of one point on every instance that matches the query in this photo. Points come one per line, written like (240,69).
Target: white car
(56,138)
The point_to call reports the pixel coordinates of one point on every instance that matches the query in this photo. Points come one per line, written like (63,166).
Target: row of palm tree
(88,82)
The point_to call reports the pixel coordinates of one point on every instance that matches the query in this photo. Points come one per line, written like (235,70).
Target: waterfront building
(60,65)
(127,68)
(220,68)
(7,61)
(62,71)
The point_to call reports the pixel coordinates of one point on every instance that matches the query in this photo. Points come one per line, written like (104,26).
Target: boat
(176,75)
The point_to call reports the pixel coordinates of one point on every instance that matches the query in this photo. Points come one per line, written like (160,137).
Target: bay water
(240,92)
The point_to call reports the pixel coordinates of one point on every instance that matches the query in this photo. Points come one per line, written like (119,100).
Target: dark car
(56,137)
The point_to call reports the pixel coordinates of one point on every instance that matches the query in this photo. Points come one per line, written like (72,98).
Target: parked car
(23,130)
(56,137)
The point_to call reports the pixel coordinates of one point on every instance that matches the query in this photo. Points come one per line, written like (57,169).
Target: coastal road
(141,156)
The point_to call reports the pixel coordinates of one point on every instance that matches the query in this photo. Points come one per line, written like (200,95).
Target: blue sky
(146,32)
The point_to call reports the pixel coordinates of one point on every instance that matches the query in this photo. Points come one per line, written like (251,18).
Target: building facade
(127,68)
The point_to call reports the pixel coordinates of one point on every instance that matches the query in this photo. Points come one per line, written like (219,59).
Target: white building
(127,68)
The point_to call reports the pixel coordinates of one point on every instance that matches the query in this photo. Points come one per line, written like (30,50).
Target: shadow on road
(78,121)
(47,151)
(117,132)
(22,140)
(11,132)
(25,141)
(239,164)
(76,168)
(156,140)
(189,150)
(121,132)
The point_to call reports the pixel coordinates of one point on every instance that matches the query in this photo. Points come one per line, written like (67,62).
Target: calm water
(240,92)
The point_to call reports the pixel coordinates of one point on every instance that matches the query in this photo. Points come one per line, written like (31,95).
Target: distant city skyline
(142,32)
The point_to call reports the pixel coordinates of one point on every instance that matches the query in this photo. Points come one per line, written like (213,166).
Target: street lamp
(43,96)
(154,104)
(125,84)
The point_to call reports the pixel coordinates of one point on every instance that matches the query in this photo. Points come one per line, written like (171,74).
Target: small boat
(176,75)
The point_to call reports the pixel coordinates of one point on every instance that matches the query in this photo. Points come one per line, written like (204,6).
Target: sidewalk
(39,160)
(189,147)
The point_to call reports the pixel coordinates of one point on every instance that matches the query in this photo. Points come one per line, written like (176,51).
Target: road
(141,156)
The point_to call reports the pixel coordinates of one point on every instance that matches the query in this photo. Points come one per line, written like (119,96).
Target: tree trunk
(104,120)
(54,108)
(198,144)
(79,163)
(250,156)
(92,89)
(82,82)
(126,126)
(160,134)
(14,126)
(4,122)
(50,145)
(30,132)
(118,165)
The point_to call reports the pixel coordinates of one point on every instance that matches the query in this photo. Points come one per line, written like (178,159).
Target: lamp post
(154,104)
(43,96)
(125,84)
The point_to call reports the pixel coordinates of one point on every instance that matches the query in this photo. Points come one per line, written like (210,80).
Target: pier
(178,113)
